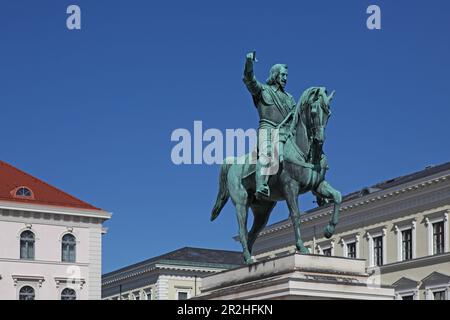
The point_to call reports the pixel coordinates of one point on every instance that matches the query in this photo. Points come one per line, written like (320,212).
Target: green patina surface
(297,156)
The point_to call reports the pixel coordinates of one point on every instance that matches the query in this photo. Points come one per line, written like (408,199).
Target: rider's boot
(262,188)
(263,163)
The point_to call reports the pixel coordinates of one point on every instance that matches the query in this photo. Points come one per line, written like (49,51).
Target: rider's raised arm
(249,77)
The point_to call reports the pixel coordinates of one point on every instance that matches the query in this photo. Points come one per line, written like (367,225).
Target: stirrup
(264,192)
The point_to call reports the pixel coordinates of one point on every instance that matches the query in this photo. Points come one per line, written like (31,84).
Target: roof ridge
(48,185)
(434,168)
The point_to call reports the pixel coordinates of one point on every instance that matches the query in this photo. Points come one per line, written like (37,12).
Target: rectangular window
(407,244)
(182,295)
(327,252)
(410,297)
(72,254)
(439,295)
(438,237)
(23,250)
(26,250)
(351,250)
(68,252)
(65,253)
(378,250)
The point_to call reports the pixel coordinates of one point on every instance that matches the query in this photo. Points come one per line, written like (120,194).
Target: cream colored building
(50,242)
(400,227)
(176,275)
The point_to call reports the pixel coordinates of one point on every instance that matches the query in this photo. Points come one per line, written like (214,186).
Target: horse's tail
(223,195)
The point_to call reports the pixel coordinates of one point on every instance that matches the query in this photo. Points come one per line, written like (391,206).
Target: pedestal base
(297,276)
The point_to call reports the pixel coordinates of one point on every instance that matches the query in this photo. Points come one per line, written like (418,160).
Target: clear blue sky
(92,111)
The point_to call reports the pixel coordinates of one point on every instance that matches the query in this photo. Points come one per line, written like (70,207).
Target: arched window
(27,245)
(68,294)
(26,293)
(24,192)
(68,248)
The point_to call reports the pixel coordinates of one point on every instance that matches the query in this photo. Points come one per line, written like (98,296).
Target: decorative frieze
(23,278)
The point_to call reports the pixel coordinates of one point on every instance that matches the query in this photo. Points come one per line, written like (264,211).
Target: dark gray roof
(429,171)
(189,255)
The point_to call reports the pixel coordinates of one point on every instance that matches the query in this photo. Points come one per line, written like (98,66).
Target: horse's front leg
(291,195)
(327,191)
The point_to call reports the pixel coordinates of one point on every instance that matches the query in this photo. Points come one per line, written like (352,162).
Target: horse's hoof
(328,231)
(303,249)
(248,259)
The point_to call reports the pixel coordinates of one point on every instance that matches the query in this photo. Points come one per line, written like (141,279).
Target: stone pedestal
(295,277)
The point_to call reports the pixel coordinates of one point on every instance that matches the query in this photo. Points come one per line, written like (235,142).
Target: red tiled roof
(12,178)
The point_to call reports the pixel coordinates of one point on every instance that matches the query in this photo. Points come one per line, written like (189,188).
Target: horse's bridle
(313,119)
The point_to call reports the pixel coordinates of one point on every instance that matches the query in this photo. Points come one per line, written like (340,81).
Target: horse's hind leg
(240,199)
(242,215)
(327,191)
(291,195)
(261,212)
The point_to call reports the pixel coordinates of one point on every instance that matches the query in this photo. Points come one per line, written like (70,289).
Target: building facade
(400,227)
(176,275)
(50,241)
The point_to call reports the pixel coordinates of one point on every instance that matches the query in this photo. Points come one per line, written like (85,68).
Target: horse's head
(315,106)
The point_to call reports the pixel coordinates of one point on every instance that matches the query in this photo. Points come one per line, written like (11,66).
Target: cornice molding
(188,268)
(159,266)
(125,276)
(174,277)
(17,206)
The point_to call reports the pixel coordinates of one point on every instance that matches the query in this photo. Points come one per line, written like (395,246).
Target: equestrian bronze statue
(289,162)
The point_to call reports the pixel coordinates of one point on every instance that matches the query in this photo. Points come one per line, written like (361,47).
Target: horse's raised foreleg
(291,195)
(261,211)
(327,191)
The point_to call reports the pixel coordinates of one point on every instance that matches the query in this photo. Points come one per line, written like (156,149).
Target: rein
(300,157)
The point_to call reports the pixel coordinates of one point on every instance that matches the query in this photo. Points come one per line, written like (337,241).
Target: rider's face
(282,77)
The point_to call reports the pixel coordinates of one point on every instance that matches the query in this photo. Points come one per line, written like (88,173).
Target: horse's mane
(302,104)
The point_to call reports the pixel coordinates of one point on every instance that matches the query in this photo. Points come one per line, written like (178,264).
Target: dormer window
(23,192)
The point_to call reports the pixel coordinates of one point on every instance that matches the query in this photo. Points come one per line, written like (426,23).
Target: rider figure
(274,104)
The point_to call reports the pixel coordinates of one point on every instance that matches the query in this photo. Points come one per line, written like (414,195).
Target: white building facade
(400,227)
(50,242)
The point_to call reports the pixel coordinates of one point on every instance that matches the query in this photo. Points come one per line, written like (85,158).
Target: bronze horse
(302,170)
